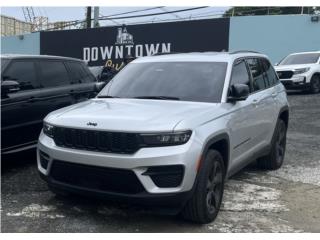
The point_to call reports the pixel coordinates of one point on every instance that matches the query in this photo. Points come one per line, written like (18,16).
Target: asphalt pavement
(286,200)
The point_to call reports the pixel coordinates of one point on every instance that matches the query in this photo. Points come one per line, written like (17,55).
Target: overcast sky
(75,13)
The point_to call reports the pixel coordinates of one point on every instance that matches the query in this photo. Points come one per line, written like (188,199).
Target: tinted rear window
(79,73)
(53,74)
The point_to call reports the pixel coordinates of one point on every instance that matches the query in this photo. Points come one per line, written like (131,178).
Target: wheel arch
(284,115)
(315,74)
(221,143)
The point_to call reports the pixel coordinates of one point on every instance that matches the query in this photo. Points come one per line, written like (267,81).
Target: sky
(75,13)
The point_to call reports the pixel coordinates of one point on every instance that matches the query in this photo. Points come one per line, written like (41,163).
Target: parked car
(96,71)
(33,86)
(168,130)
(103,74)
(300,71)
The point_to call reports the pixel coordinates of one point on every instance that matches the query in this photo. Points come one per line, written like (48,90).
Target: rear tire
(274,159)
(315,84)
(204,205)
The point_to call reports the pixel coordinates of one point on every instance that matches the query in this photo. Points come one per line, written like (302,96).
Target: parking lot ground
(286,200)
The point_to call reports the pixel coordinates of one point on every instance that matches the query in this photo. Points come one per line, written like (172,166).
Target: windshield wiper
(158,97)
(107,96)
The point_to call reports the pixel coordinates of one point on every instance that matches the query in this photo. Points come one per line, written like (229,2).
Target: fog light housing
(44,160)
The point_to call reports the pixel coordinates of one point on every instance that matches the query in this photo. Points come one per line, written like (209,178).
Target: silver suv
(168,131)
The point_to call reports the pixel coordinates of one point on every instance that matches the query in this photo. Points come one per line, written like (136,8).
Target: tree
(253,11)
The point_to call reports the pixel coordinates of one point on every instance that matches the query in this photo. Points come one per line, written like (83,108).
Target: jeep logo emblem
(92,124)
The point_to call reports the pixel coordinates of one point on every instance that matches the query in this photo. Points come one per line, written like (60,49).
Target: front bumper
(296,82)
(139,163)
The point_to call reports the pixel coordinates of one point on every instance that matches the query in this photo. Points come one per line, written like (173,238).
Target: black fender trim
(217,138)
(284,109)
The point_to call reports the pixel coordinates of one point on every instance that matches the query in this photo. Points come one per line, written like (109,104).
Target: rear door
(242,118)
(20,121)
(273,89)
(262,103)
(83,81)
(56,85)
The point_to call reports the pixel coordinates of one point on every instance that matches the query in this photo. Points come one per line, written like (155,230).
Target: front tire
(274,159)
(315,84)
(204,205)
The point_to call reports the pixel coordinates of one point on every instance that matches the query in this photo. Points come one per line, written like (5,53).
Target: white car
(168,130)
(300,71)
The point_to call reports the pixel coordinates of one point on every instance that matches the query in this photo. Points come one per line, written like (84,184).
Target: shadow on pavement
(18,160)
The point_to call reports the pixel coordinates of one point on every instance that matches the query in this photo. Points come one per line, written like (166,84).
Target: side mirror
(99,86)
(238,92)
(276,64)
(9,86)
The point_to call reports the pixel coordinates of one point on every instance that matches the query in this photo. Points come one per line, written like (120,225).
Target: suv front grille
(92,140)
(96,178)
(284,74)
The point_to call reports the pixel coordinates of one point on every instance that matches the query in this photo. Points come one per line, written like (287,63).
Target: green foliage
(254,11)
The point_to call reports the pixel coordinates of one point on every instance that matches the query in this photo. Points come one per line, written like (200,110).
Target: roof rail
(163,53)
(243,51)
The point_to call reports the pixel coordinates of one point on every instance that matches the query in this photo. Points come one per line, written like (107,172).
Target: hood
(132,115)
(292,67)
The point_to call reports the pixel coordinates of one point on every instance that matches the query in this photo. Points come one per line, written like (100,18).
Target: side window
(89,75)
(53,74)
(271,75)
(257,74)
(240,73)
(79,73)
(24,73)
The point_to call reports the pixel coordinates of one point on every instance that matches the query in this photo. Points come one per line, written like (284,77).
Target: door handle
(274,94)
(32,99)
(72,92)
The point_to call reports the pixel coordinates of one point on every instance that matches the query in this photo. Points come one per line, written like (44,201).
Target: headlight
(48,129)
(301,70)
(166,139)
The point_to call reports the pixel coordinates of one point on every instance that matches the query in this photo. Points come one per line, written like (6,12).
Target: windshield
(185,81)
(305,58)
(4,62)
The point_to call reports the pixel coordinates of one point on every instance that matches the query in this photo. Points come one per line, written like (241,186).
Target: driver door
(20,122)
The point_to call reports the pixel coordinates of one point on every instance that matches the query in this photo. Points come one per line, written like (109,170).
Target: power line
(153,14)
(134,11)
(73,23)
(175,20)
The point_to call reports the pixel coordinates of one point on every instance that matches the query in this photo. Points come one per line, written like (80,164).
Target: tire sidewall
(276,164)
(206,166)
(313,79)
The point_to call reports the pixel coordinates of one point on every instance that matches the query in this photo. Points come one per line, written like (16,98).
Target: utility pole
(88,17)
(96,17)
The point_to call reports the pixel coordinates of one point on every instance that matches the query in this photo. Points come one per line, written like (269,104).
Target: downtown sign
(110,45)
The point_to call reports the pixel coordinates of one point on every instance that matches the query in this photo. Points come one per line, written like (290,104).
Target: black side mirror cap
(9,86)
(238,92)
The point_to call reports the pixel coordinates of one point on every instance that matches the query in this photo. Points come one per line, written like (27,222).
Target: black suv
(33,86)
